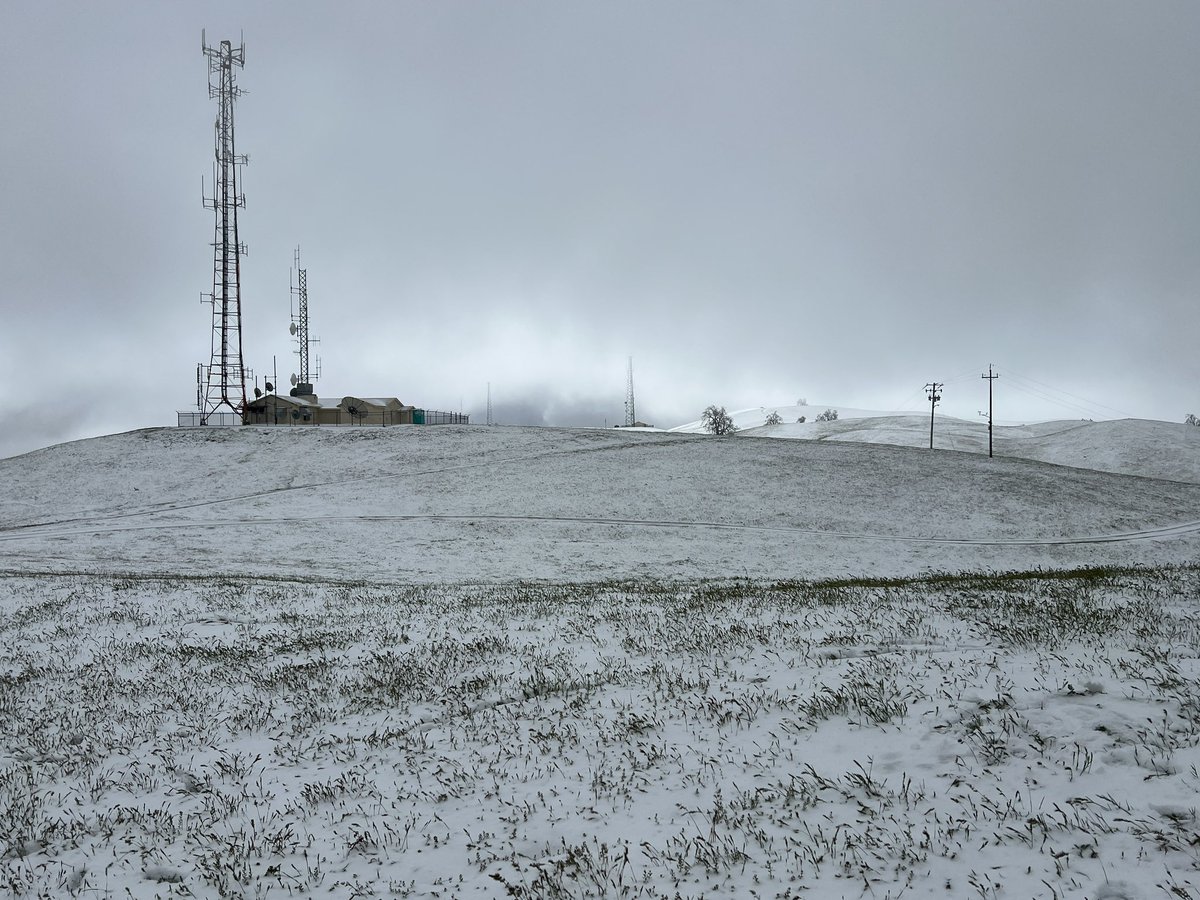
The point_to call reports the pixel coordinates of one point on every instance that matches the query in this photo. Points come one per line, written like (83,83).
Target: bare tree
(774,418)
(717,421)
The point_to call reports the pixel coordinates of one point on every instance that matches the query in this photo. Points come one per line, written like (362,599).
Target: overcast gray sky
(757,201)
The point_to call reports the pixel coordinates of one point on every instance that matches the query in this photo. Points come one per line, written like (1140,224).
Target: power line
(965,376)
(904,406)
(1083,403)
(1042,395)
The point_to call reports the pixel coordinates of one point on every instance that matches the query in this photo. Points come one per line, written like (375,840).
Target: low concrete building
(306,409)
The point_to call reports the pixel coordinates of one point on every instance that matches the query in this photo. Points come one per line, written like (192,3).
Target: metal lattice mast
(223,382)
(304,379)
(630,412)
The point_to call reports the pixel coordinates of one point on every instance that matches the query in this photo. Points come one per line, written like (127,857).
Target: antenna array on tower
(304,379)
(222,383)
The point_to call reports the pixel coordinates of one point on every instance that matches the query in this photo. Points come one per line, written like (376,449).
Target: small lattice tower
(302,382)
(630,411)
(221,385)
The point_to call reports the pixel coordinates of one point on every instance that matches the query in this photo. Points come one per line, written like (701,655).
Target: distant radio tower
(302,383)
(630,411)
(223,382)
(489,404)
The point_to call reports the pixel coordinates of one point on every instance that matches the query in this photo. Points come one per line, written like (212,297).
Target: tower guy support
(222,383)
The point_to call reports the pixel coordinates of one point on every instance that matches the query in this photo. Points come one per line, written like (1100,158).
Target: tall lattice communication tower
(302,381)
(222,383)
(630,412)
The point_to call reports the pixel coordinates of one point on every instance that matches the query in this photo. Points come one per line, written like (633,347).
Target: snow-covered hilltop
(1127,446)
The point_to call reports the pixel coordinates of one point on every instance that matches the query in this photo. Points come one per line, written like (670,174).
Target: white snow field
(517,662)
(1127,446)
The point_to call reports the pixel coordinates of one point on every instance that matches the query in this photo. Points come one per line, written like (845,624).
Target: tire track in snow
(1166,532)
(158,508)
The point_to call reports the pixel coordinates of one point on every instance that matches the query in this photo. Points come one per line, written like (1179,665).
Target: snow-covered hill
(476,503)
(363,662)
(1127,446)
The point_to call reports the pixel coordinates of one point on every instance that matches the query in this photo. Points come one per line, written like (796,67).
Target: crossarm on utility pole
(990,379)
(933,390)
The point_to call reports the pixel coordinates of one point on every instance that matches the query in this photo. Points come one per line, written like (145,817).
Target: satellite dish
(270,387)
(295,380)
(357,408)
(292,328)
(258,393)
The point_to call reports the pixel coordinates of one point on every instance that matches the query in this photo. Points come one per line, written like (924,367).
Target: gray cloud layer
(755,201)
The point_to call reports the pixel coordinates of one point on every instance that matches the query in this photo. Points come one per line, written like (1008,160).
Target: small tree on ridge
(717,421)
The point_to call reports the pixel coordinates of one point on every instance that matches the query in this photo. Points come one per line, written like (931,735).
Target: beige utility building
(306,409)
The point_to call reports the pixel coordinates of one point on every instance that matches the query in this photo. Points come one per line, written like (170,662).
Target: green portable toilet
(418,417)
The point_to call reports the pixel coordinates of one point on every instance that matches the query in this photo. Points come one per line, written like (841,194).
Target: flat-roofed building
(306,409)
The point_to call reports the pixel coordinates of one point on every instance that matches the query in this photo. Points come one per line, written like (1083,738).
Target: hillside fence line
(343,419)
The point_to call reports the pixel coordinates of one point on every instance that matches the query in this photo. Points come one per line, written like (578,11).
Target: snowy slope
(502,503)
(362,662)
(754,416)
(1127,446)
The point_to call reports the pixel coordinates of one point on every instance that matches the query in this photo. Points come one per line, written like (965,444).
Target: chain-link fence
(437,417)
(223,419)
(327,417)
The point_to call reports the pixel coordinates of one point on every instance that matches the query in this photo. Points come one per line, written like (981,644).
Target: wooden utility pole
(990,378)
(934,390)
